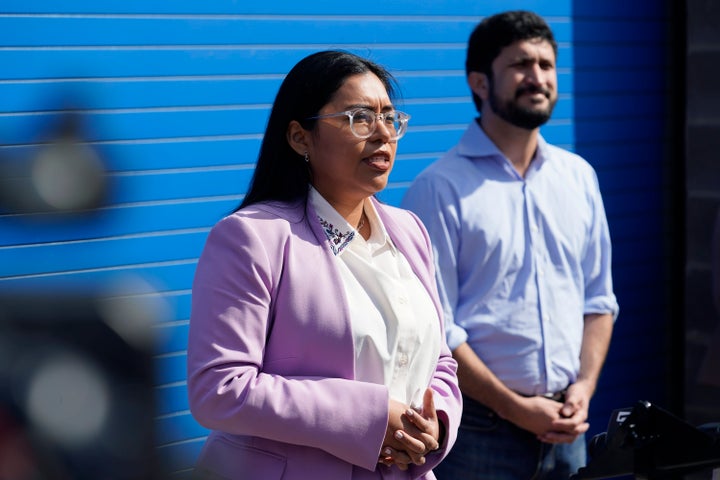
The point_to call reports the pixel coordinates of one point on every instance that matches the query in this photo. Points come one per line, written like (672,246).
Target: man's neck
(517,144)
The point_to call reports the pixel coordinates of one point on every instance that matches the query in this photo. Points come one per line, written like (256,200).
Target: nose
(382,130)
(535,74)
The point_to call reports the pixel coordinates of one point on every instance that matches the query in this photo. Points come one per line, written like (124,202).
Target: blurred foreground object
(651,443)
(61,175)
(76,397)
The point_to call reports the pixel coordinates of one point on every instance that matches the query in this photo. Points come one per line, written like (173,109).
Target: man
(523,263)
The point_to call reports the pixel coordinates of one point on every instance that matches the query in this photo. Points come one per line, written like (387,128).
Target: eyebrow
(387,108)
(524,58)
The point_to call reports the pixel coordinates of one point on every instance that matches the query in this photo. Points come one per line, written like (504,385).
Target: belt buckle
(557,396)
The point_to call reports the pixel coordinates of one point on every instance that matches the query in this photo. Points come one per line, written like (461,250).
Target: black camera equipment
(76,397)
(651,444)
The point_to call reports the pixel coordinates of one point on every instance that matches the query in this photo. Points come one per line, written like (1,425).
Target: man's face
(522,89)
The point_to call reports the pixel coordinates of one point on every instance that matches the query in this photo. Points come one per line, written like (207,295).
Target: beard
(515,114)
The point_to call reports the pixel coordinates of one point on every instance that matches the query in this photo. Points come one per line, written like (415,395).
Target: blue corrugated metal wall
(623,75)
(175,96)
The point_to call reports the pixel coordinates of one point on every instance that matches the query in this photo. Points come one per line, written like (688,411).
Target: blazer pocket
(221,459)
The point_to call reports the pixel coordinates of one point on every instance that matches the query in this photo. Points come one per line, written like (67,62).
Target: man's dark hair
(281,173)
(498,31)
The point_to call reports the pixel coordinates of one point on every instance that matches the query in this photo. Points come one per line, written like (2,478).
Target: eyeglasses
(363,122)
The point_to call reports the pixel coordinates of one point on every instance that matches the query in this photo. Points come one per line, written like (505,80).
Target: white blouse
(395,326)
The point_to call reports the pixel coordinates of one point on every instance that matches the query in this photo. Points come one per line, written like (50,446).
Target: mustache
(532,89)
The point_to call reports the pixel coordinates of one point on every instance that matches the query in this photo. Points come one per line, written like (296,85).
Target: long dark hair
(281,173)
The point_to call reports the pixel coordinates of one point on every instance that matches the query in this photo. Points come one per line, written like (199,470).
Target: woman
(316,346)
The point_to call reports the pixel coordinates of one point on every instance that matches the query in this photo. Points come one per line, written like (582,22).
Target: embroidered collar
(338,238)
(338,231)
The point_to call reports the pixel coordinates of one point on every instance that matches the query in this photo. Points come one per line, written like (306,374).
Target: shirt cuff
(607,304)
(456,336)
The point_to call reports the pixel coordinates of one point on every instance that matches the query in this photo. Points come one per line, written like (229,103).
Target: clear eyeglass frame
(364,122)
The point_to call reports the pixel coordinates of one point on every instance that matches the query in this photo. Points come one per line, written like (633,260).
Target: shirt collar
(378,235)
(476,144)
(338,231)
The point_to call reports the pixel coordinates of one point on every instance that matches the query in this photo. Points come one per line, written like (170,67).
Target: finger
(425,417)
(429,404)
(570,409)
(422,425)
(573,426)
(428,414)
(413,445)
(425,431)
(557,437)
(396,456)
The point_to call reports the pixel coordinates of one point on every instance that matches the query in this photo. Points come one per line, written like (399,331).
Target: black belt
(474,408)
(557,396)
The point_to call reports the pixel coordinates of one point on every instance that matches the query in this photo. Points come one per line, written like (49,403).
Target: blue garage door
(174,96)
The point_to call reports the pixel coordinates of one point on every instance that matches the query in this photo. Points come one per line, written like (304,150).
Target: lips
(532,90)
(379,161)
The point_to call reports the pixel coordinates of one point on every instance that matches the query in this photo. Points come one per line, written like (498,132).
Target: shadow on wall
(622,127)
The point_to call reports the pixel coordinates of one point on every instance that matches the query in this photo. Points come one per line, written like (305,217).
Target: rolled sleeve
(456,335)
(599,296)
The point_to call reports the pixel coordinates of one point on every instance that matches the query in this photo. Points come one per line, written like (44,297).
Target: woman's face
(347,169)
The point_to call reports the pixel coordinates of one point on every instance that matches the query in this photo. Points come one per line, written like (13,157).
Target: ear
(298,138)
(478,83)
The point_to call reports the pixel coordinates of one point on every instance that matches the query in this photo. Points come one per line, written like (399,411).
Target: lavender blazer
(270,353)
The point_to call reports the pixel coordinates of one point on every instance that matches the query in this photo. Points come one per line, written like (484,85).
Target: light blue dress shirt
(520,261)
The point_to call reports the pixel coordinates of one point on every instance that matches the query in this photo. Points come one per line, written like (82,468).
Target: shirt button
(545,318)
(403,361)
(402,300)
(534,229)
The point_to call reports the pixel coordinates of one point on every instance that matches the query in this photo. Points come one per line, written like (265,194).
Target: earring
(307,158)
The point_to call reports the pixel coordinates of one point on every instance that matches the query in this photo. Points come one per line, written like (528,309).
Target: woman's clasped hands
(411,434)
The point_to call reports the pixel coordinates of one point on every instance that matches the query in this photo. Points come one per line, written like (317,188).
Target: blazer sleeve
(448,404)
(228,390)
